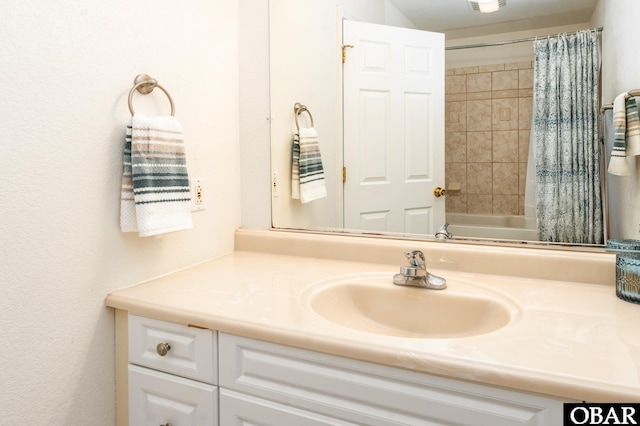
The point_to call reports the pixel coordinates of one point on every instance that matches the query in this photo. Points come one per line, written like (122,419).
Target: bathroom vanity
(280,332)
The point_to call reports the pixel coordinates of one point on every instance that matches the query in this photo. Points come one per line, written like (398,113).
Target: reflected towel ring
(298,108)
(145,84)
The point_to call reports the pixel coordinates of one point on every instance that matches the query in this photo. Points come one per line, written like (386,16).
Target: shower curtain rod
(502,43)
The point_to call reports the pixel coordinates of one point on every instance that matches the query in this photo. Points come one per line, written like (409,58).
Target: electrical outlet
(197,194)
(274,184)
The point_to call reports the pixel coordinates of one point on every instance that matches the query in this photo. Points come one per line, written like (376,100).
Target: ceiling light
(487,6)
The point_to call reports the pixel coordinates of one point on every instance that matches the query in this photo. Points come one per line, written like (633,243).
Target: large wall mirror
(478,105)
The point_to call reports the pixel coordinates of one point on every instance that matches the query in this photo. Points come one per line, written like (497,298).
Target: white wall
(303,68)
(255,114)
(620,74)
(66,68)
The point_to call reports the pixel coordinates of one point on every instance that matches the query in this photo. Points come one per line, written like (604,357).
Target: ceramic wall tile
(455,84)
(525,113)
(523,145)
(455,147)
(478,115)
(456,203)
(525,79)
(518,65)
(491,68)
(479,178)
(456,97)
(505,146)
(504,114)
(456,116)
(501,94)
(475,96)
(479,147)
(492,106)
(523,93)
(480,204)
(456,172)
(479,82)
(505,80)
(465,70)
(505,204)
(522,178)
(505,178)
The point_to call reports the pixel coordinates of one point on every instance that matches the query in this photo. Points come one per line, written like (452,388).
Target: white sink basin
(373,304)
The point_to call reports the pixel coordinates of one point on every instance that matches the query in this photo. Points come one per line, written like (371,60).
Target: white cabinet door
(244,410)
(157,399)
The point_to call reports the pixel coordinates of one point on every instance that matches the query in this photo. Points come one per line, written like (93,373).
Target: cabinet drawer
(157,398)
(244,410)
(190,352)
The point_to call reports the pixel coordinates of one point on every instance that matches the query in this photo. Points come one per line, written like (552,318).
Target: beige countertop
(569,339)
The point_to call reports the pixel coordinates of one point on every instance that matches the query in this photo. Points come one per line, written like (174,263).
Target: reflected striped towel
(311,173)
(632,132)
(626,124)
(295,168)
(155,195)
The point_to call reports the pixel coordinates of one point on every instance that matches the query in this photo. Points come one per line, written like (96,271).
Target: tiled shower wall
(487,128)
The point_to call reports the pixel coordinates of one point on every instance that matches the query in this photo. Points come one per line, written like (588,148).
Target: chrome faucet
(416,274)
(443,233)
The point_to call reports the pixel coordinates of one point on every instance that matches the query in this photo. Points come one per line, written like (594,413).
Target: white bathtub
(494,227)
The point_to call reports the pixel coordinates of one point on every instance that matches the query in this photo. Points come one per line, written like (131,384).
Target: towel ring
(298,108)
(145,84)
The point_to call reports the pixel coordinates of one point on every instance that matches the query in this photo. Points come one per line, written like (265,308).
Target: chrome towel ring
(298,108)
(145,84)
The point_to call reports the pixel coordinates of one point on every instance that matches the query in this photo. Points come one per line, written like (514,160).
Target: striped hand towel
(618,164)
(155,195)
(295,168)
(632,133)
(312,182)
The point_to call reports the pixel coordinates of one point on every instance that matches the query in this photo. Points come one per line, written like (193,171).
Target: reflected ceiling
(455,17)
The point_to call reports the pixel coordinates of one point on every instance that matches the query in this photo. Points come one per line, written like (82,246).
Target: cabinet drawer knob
(162,350)
(166,424)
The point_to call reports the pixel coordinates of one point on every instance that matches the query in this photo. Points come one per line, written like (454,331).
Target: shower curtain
(565,137)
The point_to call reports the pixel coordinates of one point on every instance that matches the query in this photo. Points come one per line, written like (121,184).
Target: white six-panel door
(393,128)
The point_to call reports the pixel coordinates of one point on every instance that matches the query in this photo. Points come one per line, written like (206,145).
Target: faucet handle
(416,258)
(443,233)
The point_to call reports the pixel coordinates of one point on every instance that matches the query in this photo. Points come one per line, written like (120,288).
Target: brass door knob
(439,192)
(163,348)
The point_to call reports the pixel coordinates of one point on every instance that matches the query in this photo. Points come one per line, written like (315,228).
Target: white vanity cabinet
(269,384)
(210,378)
(172,374)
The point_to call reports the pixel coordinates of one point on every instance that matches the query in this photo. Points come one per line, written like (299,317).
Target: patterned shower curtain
(565,137)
